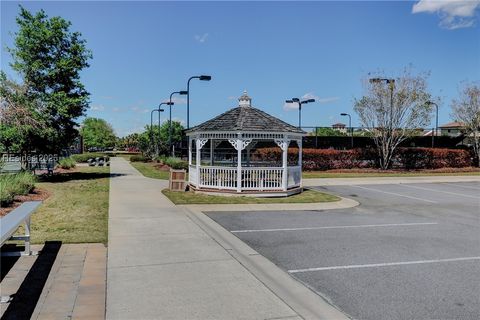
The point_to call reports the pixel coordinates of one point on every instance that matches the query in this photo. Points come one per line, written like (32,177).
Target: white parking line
(338,227)
(388,264)
(462,186)
(395,194)
(447,192)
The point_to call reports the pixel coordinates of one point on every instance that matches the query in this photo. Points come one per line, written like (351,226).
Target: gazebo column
(300,158)
(283,144)
(189,151)
(199,144)
(239,144)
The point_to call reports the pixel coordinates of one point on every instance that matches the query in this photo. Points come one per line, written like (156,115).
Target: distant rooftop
(454,124)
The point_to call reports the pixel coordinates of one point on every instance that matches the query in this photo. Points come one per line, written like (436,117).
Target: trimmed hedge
(83,157)
(139,158)
(431,158)
(406,158)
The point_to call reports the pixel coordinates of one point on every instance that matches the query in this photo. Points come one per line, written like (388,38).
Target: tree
(466,109)
(148,140)
(328,132)
(392,110)
(49,58)
(97,133)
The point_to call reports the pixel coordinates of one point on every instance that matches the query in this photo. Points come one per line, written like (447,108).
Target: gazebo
(221,153)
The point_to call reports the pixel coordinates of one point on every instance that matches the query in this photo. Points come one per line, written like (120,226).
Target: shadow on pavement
(68,176)
(7,263)
(25,300)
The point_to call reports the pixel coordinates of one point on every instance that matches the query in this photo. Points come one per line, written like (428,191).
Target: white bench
(10,223)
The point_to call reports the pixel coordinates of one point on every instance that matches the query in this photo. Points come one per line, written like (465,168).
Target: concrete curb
(387,180)
(307,303)
(342,204)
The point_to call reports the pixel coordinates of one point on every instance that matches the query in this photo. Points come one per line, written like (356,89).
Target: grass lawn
(77,210)
(148,170)
(326,174)
(308,196)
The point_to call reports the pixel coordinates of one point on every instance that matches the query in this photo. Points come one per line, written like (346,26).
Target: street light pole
(350,126)
(159,110)
(170,120)
(297,100)
(201,78)
(436,121)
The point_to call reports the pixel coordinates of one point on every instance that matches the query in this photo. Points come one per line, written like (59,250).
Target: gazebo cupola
(222,153)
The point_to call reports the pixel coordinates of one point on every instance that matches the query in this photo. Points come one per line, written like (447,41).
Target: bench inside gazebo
(222,156)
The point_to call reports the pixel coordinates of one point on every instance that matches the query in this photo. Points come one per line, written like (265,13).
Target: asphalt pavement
(408,251)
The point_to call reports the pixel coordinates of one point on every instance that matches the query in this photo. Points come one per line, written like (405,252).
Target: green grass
(77,209)
(148,170)
(308,196)
(326,174)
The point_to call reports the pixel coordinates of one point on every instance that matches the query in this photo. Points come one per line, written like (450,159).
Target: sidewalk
(163,265)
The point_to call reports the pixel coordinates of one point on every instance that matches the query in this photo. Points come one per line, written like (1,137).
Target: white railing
(218,177)
(262,178)
(192,175)
(294,177)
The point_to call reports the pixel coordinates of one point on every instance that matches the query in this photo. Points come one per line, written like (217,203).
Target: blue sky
(143,51)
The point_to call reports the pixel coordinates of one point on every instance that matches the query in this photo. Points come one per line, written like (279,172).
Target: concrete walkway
(166,263)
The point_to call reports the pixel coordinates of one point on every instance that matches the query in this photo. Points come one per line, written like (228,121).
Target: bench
(12,221)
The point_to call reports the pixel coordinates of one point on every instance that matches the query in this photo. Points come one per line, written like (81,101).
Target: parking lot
(408,251)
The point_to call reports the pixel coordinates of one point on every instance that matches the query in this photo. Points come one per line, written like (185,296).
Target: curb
(307,303)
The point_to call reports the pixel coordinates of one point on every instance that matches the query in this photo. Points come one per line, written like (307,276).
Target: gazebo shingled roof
(245,118)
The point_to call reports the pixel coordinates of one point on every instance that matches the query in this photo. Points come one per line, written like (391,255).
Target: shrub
(431,158)
(320,159)
(67,163)
(138,158)
(15,184)
(176,163)
(83,157)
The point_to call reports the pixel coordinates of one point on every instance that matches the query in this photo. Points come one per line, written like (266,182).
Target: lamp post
(350,126)
(436,121)
(201,78)
(170,121)
(391,82)
(297,100)
(159,110)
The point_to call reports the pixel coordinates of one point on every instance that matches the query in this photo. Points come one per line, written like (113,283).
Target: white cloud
(202,38)
(309,95)
(454,14)
(98,107)
(116,109)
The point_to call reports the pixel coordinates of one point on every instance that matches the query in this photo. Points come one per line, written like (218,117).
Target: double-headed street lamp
(350,126)
(170,121)
(201,78)
(297,100)
(436,121)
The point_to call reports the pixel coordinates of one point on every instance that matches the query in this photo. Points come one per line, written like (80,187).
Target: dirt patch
(36,195)
(161,167)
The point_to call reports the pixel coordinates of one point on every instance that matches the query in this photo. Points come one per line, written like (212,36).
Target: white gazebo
(221,153)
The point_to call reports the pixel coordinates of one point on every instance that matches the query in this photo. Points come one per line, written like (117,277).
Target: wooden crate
(177,181)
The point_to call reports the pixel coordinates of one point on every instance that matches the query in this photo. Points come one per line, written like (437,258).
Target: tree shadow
(68,176)
(25,300)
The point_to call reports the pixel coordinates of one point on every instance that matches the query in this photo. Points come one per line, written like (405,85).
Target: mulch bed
(36,195)
(161,167)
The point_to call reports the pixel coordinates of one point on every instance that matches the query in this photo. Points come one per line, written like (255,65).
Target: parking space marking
(447,192)
(462,186)
(395,194)
(337,227)
(388,264)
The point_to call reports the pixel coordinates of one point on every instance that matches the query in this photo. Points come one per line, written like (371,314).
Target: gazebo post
(300,158)
(189,151)
(239,163)
(285,163)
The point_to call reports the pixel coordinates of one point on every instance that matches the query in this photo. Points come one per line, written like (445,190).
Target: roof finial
(244,100)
